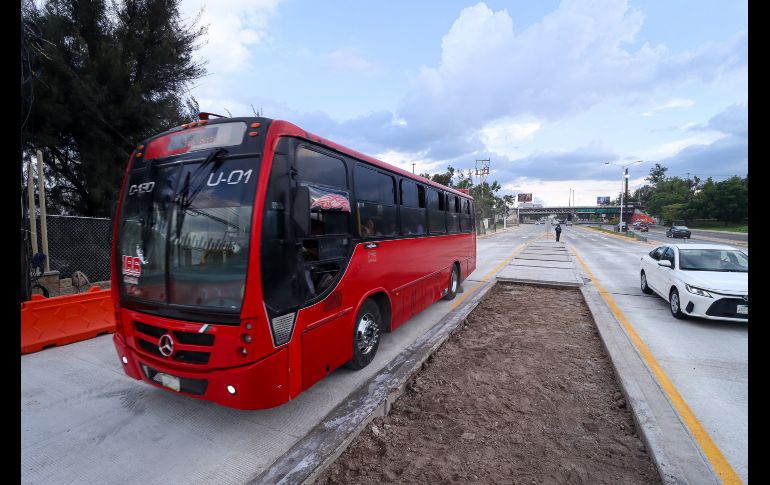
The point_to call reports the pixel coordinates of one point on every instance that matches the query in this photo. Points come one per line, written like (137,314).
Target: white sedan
(700,280)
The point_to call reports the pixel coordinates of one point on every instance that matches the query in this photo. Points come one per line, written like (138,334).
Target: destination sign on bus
(199,138)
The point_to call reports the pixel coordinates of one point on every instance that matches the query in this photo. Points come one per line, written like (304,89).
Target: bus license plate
(166,380)
(743,309)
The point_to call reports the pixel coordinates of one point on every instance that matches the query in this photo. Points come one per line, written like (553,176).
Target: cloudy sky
(547,90)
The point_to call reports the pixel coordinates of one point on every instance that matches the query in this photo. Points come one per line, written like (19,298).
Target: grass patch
(732,228)
(609,231)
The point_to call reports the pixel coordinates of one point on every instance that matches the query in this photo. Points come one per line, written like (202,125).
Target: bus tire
(454,283)
(366,335)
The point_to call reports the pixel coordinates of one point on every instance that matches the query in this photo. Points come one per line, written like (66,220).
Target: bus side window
(466,221)
(376,202)
(326,246)
(318,169)
(453,216)
(436,218)
(412,208)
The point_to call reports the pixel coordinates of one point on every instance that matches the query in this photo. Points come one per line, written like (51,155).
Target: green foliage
(657,174)
(672,212)
(675,198)
(98,78)
(726,200)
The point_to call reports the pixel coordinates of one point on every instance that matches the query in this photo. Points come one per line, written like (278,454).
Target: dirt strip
(523,393)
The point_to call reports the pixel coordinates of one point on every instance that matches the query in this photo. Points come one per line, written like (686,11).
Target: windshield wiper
(183,200)
(149,218)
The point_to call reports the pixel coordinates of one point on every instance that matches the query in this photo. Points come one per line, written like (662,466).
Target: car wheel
(675,304)
(366,335)
(645,289)
(454,283)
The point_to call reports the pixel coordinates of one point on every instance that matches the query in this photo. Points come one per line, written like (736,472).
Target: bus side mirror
(301,209)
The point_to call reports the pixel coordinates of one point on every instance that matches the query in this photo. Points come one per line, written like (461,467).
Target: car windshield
(725,260)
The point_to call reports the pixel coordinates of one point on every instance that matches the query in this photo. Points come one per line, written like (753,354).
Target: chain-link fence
(77,244)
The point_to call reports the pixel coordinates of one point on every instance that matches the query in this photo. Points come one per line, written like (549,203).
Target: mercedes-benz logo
(166,345)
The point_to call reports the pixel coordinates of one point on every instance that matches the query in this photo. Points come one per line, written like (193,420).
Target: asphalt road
(706,360)
(84,421)
(658,234)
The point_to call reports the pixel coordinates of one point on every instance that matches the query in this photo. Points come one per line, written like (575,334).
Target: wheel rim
(454,281)
(644,281)
(675,302)
(367,333)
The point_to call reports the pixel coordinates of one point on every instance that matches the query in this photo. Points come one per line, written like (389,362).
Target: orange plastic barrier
(61,320)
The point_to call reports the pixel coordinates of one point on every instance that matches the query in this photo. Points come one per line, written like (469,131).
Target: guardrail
(47,322)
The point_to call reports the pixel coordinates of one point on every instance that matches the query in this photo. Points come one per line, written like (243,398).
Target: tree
(100,78)
(672,212)
(668,191)
(726,200)
(657,174)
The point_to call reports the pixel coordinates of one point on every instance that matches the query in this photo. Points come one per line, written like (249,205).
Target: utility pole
(41,198)
(482,170)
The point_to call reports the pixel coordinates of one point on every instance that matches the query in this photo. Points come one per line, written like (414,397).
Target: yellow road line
(718,462)
(491,273)
(624,238)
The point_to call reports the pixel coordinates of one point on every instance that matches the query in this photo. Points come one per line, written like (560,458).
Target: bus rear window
(193,139)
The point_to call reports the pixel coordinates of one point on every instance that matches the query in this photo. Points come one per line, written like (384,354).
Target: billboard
(602,201)
(524,197)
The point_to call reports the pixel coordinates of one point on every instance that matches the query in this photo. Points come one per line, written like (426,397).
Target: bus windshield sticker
(325,200)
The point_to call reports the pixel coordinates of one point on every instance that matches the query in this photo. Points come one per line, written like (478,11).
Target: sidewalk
(491,233)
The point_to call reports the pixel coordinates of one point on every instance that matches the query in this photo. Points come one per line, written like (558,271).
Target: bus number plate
(166,380)
(743,309)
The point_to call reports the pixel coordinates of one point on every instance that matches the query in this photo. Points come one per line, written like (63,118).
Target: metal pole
(43,225)
(31,209)
(620,226)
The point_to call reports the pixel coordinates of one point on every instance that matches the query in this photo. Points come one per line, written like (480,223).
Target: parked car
(702,280)
(621,226)
(678,231)
(643,227)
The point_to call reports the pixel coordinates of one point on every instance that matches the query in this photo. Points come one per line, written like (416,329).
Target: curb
(309,457)
(494,233)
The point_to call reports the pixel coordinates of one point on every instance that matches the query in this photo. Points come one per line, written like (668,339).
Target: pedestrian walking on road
(558,232)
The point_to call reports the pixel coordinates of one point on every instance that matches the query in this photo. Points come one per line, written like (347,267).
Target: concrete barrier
(47,322)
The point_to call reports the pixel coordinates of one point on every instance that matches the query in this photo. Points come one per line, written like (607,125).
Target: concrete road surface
(85,422)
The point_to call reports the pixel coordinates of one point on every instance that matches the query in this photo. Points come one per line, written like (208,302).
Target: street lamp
(623,185)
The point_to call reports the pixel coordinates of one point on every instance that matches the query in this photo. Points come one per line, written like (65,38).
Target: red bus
(252,258)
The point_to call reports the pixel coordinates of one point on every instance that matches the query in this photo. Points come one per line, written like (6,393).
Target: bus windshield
(185,231)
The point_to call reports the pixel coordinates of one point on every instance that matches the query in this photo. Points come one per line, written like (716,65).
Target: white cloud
(673,147)
(234,27)
(404,161)
(671,104)
(502,136)
(348,60)
(576,57)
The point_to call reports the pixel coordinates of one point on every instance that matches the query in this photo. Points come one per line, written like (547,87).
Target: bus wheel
(366,335)
(454,283)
